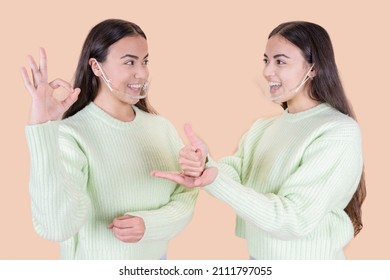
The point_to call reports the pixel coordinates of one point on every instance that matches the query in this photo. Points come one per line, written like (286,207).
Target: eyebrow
(133,56)
(277,55)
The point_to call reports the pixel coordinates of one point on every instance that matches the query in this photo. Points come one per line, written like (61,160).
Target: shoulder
(153,120)
(263,123)
(338,126)
(78,122)
(160,129)
(256,131)
(156,124)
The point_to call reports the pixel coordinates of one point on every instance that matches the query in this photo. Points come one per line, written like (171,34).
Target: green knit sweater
(290,181)
(91,168)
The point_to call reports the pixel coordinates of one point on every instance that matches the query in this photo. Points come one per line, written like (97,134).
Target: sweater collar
(307,113)
(107,118)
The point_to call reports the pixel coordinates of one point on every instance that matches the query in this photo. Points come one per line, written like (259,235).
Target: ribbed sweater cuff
(219,188)
(157,228)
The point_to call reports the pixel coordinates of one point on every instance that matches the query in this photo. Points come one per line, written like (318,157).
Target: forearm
(274,214)
(303,199)
(59,205)
(168,221)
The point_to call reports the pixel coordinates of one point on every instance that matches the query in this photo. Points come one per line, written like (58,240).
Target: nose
(141,72)
(268,70)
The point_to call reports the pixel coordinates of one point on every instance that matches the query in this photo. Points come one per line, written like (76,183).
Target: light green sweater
(91,168)
(289,182)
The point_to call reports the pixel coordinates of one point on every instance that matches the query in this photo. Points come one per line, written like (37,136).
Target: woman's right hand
(193,156)
(45,107)
(192,161)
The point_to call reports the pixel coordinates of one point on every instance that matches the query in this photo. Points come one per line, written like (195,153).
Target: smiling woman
(118,57)
(129,68)
(92,153)
(296,181)
(286,72)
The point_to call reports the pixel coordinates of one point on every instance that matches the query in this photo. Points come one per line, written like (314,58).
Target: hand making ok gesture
(45,107)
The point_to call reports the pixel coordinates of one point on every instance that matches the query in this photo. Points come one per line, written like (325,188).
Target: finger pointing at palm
(207,177)
(192,157)
(197,144)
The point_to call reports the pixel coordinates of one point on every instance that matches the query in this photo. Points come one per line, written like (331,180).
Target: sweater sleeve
(233,165)
(325,180)
(169,220)
(58,178)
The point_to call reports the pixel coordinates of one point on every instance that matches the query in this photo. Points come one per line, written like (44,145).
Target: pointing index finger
(194,140)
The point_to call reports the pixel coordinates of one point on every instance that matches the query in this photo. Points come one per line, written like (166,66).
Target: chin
(131,101)
(126,98)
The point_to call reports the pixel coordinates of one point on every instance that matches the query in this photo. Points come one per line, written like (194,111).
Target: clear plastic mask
(281,94)
(144,88)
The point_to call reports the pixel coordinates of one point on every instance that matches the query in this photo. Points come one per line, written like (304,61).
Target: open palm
(192,161)
(207,177)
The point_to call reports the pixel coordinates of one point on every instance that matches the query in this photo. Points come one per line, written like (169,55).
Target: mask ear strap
(307,77)
(311,69)
(104,77)
(108,82)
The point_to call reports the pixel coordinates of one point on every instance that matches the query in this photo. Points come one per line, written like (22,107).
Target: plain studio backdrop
(204,59)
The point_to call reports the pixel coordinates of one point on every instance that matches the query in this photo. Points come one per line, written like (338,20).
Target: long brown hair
(316,46)
(96,45)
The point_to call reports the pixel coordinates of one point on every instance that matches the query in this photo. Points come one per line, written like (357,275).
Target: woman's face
(126,66)
(285,69)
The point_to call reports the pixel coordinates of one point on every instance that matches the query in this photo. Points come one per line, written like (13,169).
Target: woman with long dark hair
(92,153)
(296,181)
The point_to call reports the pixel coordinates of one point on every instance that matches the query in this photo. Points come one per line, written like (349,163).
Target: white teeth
(136,86)
(274,84)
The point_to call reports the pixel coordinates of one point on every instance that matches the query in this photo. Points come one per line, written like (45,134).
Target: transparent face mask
(143,88)
(275,92)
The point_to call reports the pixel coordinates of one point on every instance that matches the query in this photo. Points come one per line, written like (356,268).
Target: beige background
(204,57)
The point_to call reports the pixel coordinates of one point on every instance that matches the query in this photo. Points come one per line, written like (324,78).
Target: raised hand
(192,160)
(193,156)
(45,107)
(128,228)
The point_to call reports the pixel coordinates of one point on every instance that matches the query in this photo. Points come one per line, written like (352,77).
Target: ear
(313,72)
(94,66)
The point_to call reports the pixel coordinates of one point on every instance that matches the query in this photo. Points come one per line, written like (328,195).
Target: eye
(280,62)
(265,60)
(145,62)
(130,62)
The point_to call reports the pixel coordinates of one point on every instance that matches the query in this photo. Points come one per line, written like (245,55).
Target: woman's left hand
(129,229)
(208,176)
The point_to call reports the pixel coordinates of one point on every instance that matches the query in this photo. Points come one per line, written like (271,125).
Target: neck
(301,102)
(116,109)
(296,108)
